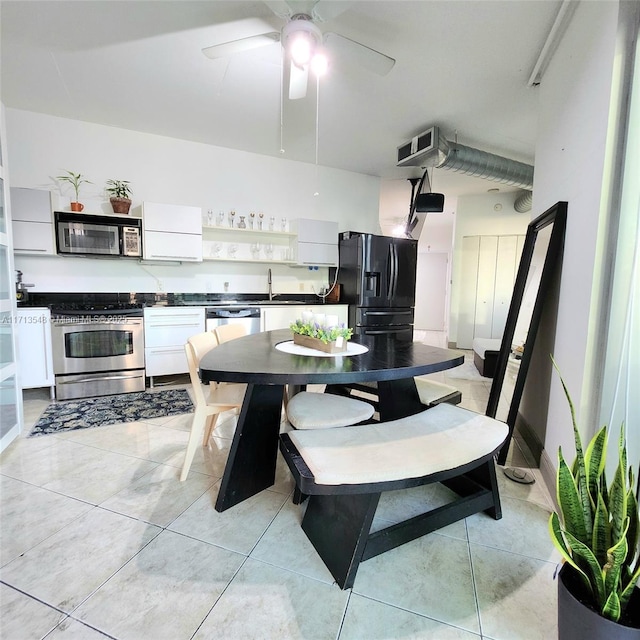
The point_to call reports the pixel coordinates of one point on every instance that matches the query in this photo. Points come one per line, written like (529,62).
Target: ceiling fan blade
(298,77)
(325,10)
(343,48)
(279,7)
(242,44)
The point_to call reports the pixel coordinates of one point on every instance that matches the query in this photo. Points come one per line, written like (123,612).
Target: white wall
(175,171)
(486,214)
(570,151)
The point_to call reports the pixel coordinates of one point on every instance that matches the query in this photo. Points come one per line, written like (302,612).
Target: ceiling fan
(304,45)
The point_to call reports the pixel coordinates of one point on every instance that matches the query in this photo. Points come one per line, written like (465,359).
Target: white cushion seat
(306,410)
(433,392)
(438,439)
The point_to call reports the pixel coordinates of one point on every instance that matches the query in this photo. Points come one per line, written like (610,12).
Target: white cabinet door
(183,247)
(317,242)
(166,331)
(172,218)
(34,348)
(31,205)
(320,255)
(171,232)
(33,237)
(32,221)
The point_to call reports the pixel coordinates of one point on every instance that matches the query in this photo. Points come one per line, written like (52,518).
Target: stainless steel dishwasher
(249,317)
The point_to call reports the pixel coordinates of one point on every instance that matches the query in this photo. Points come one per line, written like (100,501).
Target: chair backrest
(231,331)
(195,348)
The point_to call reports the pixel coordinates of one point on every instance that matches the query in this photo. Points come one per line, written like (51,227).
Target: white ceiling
(461,65)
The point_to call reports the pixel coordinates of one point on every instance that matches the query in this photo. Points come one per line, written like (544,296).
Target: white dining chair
(210,400)
(231,331)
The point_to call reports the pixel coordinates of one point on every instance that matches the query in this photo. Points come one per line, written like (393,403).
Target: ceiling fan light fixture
(300,48)
(301,38)
(319,63)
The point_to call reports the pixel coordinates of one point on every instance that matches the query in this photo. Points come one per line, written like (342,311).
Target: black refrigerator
(378,279)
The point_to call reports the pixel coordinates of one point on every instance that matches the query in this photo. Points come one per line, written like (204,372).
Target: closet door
(485,290)
(468,285)
(507,258)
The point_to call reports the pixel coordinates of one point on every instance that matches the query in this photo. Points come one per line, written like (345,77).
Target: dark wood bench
(345,470)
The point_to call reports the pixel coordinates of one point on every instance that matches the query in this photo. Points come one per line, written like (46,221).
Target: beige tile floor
(100,539)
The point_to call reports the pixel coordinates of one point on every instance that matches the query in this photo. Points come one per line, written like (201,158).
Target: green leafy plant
(326,334)
(597,530)
(118,188)
(74,179)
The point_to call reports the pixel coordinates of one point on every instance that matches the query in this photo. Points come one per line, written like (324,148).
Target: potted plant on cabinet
(597,532)
(120,195)
(75,180)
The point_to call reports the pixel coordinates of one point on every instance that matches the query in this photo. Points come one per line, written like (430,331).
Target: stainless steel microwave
(87,234)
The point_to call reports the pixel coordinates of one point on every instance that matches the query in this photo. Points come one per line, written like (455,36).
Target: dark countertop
(36,299)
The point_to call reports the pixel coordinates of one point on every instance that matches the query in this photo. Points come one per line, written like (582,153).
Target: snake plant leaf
(596,578)
(618,495)
(574,519)
(633,532)
(595,459)
(613,568)
(612,607)
(601,535)
(579,471)
(629,587)
(555,530)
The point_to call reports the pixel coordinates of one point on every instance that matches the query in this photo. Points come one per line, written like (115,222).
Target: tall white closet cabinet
(489,267)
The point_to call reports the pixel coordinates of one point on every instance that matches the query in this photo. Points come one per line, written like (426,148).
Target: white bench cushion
(482,345)
(438,439)
(430,390)
(326,411)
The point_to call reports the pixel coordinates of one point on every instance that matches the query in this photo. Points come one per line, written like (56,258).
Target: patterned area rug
(126,407)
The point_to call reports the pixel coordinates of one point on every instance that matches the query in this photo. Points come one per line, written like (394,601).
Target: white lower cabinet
(166,330)
(34,348)
(276,317)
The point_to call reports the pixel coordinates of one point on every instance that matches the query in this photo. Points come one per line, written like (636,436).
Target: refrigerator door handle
(387,313)
(379,332)
(395,270)
(392,271)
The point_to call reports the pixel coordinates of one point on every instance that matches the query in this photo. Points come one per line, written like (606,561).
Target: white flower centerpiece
(321,332)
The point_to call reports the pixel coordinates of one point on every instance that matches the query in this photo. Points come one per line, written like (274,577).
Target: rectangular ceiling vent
(414,152)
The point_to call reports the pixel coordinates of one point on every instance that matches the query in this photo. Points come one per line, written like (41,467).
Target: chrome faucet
(270,281)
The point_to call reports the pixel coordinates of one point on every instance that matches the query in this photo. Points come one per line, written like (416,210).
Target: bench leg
(338,527)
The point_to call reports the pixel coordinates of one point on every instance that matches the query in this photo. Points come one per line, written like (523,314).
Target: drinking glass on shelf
(220,219)
(252,218)
(232,216)
(233,248)
(272,222)
(255,250)
(209,217)
(216,248)
(283,224)
(268,249)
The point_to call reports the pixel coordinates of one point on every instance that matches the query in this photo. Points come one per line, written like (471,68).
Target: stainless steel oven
(97,353)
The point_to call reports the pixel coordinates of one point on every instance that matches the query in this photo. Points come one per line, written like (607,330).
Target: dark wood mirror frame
(556,216)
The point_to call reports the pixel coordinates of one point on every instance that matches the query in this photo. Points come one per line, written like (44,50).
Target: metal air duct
(430,149)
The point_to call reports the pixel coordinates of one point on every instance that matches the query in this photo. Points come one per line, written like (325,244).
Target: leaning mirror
(541,253)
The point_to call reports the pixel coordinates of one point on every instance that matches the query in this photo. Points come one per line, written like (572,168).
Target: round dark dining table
(255,360)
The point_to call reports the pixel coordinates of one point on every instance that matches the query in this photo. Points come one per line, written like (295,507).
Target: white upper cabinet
(32,221)
(317,242)
(171,232)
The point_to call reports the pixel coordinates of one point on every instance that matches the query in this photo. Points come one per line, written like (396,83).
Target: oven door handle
(122,323)
(97,379)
